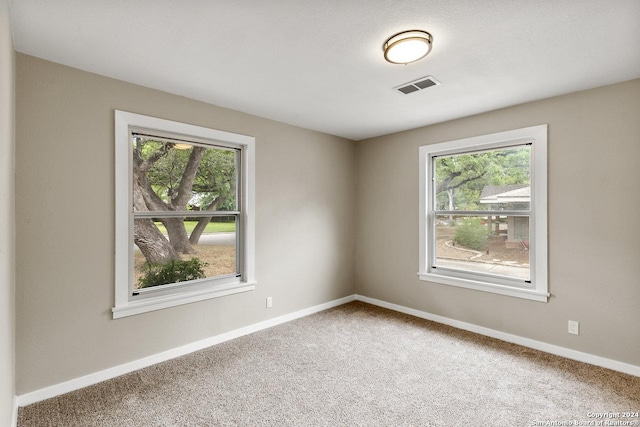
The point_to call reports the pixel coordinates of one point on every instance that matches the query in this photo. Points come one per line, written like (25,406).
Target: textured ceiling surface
(319,64)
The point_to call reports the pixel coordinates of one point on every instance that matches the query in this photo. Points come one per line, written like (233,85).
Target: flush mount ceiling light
(407,46)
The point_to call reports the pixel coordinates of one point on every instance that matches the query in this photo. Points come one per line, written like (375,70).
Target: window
(483,213)
(184,213)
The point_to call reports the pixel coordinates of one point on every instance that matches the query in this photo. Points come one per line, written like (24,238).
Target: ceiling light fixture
(407,46)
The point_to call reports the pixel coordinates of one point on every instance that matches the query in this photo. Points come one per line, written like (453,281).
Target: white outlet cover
(574,327)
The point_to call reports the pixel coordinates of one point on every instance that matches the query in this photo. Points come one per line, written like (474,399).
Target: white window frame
(127,304)
(537,290)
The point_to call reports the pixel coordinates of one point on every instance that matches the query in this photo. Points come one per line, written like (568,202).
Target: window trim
(125,122)
(537,136)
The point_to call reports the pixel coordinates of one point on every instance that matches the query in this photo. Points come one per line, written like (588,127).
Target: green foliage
(212,227)
(471,234)
(215,178)
(166,173)
(461,178)
(172,272)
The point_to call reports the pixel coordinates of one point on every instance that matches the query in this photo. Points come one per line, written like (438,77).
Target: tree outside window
(483,213)
(184,213)
(199,181)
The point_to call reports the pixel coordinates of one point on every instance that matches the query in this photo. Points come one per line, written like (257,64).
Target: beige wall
(594,223)
(307,205)
(7,242)
(305,196)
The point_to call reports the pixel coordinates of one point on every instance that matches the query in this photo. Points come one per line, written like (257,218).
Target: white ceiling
(318,63)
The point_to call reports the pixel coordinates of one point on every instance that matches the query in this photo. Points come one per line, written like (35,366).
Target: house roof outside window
(498,194)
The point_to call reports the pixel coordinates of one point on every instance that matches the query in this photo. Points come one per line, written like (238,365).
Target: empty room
(319,213)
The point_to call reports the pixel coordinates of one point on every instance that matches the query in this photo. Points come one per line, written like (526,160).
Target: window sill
(485,287)
(166,301)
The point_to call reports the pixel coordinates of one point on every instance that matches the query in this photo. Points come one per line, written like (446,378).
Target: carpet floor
(354,365)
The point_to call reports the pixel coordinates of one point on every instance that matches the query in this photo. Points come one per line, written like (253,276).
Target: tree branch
(145,165)
(182,196)
(445,184)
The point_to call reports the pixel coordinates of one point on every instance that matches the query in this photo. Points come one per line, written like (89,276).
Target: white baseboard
(107,374)
(14,412)
(116,371)
(515,339)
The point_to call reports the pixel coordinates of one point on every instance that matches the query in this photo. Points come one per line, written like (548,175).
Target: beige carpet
(355,365)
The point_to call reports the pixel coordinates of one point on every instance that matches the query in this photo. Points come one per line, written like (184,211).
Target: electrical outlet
(269,302)
(574,327)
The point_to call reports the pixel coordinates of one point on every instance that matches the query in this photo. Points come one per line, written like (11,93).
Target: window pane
(488,180)
(180,176)
(486,244)
(170,250)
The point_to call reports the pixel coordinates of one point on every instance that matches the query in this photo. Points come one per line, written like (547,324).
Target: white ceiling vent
(416,85)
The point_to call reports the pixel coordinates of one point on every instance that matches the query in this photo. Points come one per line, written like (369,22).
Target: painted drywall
(305,216)
(594,232)
(7,210)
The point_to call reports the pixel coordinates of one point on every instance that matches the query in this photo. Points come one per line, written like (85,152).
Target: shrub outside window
(184,213)
(483,213)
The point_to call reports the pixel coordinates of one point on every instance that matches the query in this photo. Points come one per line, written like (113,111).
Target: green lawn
(212,227)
